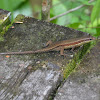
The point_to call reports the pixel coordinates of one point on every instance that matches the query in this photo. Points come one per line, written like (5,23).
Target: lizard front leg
(49,43)
(62,50)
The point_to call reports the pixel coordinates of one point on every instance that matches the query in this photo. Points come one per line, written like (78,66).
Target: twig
(71,10)
(46,10)
(88,27)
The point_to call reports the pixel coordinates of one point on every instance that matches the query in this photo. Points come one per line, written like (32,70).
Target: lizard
(57,46)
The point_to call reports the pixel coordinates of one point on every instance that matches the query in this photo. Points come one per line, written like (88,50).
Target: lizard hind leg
(72,50)
(62,51)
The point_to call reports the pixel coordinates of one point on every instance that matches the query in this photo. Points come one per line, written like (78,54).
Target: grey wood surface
(35,76)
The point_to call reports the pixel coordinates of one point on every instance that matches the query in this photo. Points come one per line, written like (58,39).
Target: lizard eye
(90,39)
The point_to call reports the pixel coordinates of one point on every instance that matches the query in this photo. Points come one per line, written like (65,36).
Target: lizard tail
(25,52)
(16,53)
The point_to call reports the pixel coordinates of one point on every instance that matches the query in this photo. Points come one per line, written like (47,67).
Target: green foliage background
(86,19)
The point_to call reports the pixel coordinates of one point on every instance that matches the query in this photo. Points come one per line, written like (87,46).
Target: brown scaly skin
(58,46)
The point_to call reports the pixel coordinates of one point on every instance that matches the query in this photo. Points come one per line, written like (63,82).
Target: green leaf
(10,5)
(86,3)
(58,9)
(98,31)
(74,25)
(95,11)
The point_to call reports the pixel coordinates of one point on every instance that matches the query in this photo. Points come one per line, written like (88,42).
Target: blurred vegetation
(86,19)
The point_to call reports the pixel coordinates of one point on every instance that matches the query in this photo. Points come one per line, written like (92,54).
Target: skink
(58,46)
